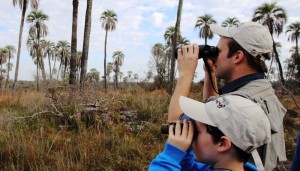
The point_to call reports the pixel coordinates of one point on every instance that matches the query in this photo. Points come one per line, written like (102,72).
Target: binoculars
(205,51)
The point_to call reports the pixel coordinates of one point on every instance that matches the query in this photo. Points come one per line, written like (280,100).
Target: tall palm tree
(273,16)
(294,30)
(36,51)
(118,57)
(23,4)
(203,23)
(11,51)
(49,48)
(109,21)
(37,19)
(63,50)
(86,42)
(229,22)
(174,44)
(73,59)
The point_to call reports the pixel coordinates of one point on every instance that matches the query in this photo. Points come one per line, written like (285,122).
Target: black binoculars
(205,51)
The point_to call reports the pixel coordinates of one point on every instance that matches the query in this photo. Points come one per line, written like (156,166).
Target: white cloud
(158,19)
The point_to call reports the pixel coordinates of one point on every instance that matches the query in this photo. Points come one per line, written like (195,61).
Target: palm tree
(273,16)
(109,69)
(118,58)
(203,23)
(11,51)
(294,30)
(49,48)
(73,59)
(36,51)
(174,44)
(78,64)
(109,21)
(229,22)
(63,50)
(37,19)
(23,4)
(3,58)
(86,42)
(159,62)
(293,65)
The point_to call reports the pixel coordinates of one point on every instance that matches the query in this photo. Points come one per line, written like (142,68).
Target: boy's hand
(181,139)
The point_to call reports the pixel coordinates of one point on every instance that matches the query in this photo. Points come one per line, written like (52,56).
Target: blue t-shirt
(174,159)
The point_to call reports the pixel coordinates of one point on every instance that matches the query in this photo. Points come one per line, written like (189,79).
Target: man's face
(223,63)
(203,145)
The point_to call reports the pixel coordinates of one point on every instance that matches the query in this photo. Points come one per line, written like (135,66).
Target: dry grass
(105,140)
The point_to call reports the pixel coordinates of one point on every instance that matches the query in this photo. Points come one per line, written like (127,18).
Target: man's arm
(187,63)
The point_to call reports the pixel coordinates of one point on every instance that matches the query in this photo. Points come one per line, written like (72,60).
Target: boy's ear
(224,144)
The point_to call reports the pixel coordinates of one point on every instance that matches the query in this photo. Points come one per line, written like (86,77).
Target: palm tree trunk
(105,81)
(42,66)
(19,45)
(37,77)
(8,67)
(59,70)
(297,55)
(72,79)
(177,29)
(50,66)
(86,41)
(279,64)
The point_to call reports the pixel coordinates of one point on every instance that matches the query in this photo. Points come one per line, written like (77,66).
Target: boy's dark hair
(254,63)
(216,134)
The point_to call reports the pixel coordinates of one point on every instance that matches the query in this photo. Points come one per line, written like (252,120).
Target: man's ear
(224,144)
(239,56)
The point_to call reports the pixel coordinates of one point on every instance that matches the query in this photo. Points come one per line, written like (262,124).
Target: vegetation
(63,127)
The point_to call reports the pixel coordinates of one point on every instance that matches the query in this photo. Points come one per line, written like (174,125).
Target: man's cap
(252,36)
(242,120)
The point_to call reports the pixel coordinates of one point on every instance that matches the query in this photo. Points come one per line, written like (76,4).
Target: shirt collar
(236,84)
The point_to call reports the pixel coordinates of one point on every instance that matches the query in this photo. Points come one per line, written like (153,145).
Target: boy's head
(227,126)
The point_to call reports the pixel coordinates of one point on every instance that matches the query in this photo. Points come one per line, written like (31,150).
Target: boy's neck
(233,165)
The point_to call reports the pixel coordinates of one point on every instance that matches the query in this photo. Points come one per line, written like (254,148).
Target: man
(240,63)
(225,133)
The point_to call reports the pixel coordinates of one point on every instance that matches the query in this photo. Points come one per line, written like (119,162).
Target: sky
(141,24)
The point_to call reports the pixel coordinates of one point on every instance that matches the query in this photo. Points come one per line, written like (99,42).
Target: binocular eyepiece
(205,51)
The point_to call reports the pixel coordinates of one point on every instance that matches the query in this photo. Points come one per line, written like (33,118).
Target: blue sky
(141,24)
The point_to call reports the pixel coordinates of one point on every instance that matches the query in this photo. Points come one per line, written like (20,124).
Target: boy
(224,133)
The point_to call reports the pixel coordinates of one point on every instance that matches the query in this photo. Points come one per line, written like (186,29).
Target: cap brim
(222,31)
(195,110)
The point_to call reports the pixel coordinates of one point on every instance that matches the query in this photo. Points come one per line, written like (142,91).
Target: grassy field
(65,129)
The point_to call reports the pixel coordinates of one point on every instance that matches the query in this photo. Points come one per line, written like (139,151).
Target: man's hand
(188,59)
(181,139)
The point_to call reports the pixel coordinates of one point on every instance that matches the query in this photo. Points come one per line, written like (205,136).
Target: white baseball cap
(252,36)
(242,120)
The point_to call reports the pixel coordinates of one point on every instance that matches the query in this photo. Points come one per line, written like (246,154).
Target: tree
(203,23)
(109,21)
(294,30)
(293,65)
(49,48)
(273,16)
(136,77)
(93,75)
(36,51)
(159,63)
(63,50)
(11,51)
(73,59)
(37,19)
(109,69)
(86,42)
(176,33)
(3,59)
(23,4)
(229,22)
(118,58)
